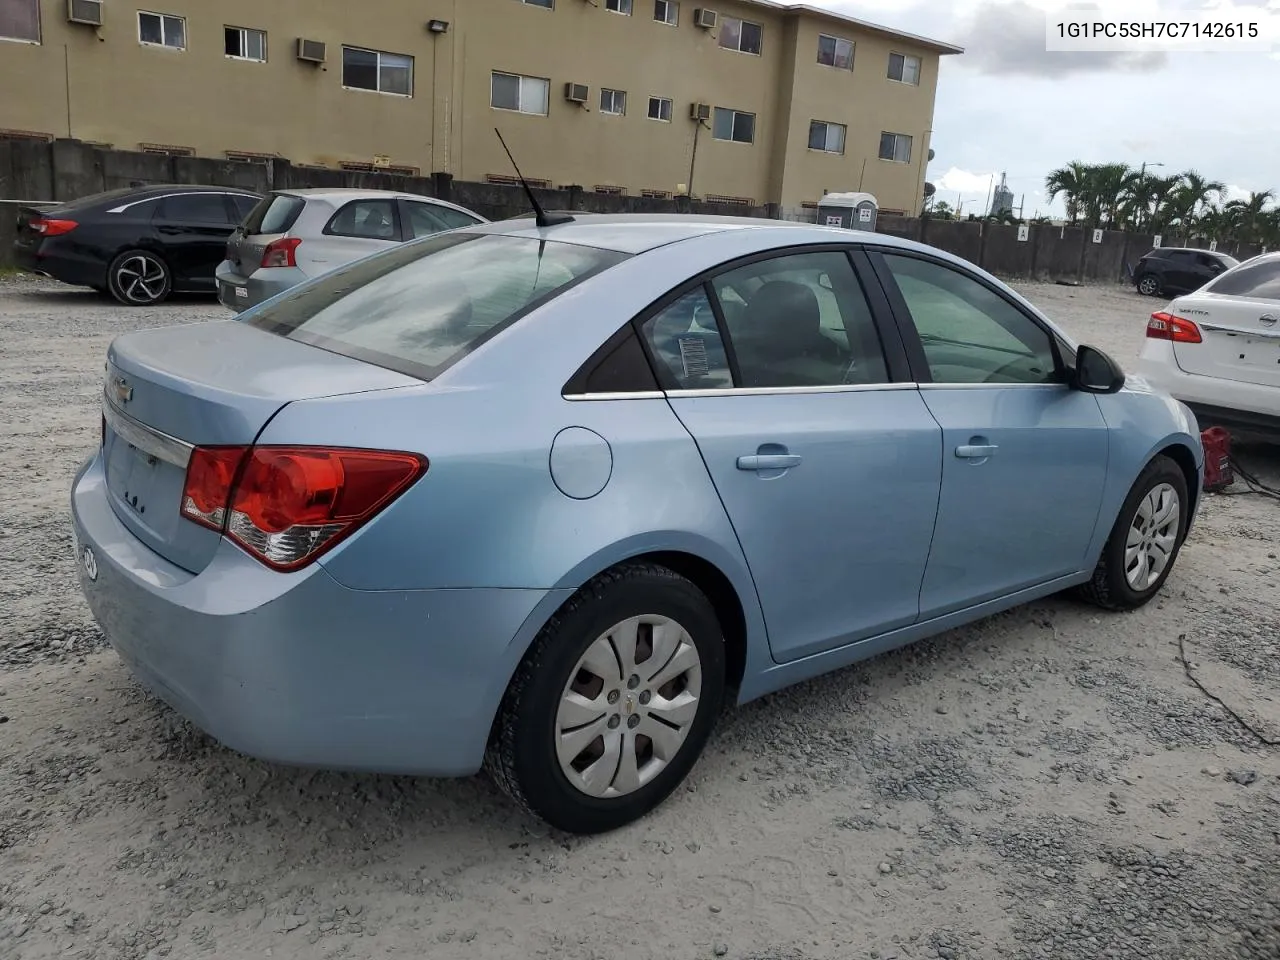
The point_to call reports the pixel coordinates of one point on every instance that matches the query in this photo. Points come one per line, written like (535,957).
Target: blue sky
(1008,105)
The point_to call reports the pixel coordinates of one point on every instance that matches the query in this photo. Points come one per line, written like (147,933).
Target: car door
(424,219)
(1184,272)
(192,231)
(1207,267)
(358,228)
(821,449)
(1024,455)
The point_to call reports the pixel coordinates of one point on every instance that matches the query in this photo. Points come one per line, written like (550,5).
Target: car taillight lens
(288,505)
(280,253)
(52,228)
(1167,326)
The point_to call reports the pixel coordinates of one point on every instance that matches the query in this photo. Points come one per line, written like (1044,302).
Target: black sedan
(138,244)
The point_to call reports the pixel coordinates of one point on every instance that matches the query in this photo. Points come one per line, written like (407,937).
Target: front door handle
(976,451)
(769,461)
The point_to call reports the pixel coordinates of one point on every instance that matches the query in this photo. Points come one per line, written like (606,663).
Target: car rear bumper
(296,668)
(60,260)
(1211,398)
(239,291)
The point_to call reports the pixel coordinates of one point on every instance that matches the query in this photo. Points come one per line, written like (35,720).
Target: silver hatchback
(294,235)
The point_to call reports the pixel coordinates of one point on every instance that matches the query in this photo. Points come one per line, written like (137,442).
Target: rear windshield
(274,214)
(1258,281)
(419,307)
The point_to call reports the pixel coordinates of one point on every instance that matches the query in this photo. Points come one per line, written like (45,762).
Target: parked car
(139,244)
(1218,349)
(1167,271)
(540,495)
(293,235)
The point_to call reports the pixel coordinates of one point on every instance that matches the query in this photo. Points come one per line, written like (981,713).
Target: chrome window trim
(993,386)
(742,391)
(147,439)
(185,193)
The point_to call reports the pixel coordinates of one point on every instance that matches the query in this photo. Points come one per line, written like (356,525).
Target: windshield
(422,306)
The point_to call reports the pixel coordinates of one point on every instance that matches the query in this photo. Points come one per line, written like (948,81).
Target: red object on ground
(1217,459)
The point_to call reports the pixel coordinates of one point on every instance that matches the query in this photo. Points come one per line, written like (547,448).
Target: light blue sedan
(540,498)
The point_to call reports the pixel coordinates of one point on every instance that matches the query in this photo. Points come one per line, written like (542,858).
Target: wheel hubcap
(628,706)
(140,278)
(1153,533)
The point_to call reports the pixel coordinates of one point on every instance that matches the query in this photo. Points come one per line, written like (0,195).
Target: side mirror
(1096,372)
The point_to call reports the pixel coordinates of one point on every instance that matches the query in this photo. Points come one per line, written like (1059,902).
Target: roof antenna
(540,216)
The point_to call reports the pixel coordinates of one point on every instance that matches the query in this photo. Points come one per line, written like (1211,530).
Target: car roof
(635,233)
(340,194)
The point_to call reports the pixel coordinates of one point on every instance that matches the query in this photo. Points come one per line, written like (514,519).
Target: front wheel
(138,278)
(1145,541)
(614,702)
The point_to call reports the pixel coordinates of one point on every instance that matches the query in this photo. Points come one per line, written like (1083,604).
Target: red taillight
(1167,326)
(52,228)
(280,253)
(288,505)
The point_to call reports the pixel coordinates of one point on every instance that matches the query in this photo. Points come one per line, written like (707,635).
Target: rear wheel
(614,702)
(1145,540)
(139,278)
(1149,285)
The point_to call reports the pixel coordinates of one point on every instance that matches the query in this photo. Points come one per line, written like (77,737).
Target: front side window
(613,101)
(162,30)
(904,69)
(970,333)
(377,71)
(208,208)
(20,20)
(1258,281)
(733,125)
(618,6)
(895,147)
(660,109)
(365,219)
(509,91)
(741,35)
(244,43)
(828,137)
(419,307)
(666,11)
(546,4)
(835,52)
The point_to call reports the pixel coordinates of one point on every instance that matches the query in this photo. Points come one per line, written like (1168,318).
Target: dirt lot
(1047,783)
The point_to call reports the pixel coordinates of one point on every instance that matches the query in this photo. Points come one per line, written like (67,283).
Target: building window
(618,6)
(904,69)
(547,4)
(828,137)
(835,52)
(613,102)
(20,20)
(162,30)
(895,147)
(380,72)
(741,35)
(666,11)
(733,125)
(510,91)
(243,43)
(660,109)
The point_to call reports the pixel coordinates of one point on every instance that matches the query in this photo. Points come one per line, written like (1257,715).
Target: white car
(294,235)
(1218,349)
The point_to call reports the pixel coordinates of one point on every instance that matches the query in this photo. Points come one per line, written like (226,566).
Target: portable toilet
(853,211)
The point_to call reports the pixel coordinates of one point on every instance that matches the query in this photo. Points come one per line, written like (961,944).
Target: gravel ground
(1045,783)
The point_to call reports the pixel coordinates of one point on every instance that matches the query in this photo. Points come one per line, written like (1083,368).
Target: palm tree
(1107,185)
(1072,181)
(1250,217)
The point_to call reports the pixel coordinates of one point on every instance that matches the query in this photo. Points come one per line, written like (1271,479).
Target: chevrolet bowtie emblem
(121,389)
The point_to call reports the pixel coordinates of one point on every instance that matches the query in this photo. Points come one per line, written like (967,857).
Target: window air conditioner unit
(699,111)
(312,51)
(706,19)
(576,92)
(85,11)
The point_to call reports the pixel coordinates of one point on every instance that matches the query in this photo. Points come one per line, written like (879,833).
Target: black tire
(139,278)
(521,757)
(1149,285)
(1109,587)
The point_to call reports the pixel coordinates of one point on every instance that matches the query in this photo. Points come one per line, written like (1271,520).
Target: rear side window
(427,218)
(1261,281)
(423,306)
(274,214)
(366,219)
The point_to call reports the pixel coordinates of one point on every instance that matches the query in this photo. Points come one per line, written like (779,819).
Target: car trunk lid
(268,222)
(1241,339)
(174,388)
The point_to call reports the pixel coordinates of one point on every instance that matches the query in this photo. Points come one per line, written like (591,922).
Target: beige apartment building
(740,99)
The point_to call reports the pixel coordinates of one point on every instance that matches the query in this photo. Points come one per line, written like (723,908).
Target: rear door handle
(970,451)
(768,461)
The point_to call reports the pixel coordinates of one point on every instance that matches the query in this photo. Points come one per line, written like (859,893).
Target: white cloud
(956,180)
